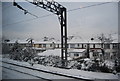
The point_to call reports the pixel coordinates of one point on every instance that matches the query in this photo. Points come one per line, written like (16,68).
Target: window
(93,45)
(67,45)
(9,44)
(58,45)
(44,45)
(114,46)
(107,46)
(39,45)
(78,45)
(76,54)
(82,46)
(85,46)
(50,45)
(97,45)
(72,45)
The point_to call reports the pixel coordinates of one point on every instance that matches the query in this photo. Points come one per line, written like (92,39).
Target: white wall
(71,54)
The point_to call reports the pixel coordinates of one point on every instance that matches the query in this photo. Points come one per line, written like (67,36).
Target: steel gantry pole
(63,36)
(61,11)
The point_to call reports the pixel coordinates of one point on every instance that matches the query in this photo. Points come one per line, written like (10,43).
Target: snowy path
(11,74)
(43,75)
(68,72)
(33,72)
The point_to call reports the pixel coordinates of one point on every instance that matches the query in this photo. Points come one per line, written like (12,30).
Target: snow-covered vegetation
(86,64)
(52,58)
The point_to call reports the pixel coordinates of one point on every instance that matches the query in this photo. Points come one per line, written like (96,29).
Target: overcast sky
(86,22)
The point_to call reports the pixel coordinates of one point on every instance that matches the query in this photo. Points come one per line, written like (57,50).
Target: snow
(11,74)
(19,41)
(41,41)
(77,50)
(35,42)
(69,58)
(70,72)
(55,52)
(86,59)
(110,64)
(38,48)
(77,39)
(0,68)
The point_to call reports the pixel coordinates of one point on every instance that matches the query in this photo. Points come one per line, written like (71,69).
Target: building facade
(111,50)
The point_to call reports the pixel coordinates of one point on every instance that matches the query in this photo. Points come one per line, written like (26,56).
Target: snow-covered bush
(95,65)
(48,60)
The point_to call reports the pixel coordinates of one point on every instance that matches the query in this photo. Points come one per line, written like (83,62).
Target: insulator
(15,4)
(25,12)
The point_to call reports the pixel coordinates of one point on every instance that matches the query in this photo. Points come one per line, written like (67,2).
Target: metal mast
(60,11)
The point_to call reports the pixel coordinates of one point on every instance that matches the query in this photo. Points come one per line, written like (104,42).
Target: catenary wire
(88,6)
(27,20)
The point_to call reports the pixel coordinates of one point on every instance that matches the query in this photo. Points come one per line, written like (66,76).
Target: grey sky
(0,19)
(84,22)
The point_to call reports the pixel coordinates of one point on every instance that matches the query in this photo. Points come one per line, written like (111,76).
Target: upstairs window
(76,54)
(72,45)
(44,45)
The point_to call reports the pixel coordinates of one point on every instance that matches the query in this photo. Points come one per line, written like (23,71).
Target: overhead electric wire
(32,14)
(27,20)
(88,6)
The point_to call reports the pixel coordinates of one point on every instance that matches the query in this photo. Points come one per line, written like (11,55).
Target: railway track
(12,66)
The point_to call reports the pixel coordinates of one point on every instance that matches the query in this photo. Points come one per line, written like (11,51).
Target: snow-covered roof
(75,39)
(80,40)
(19,41)
(45,42)
(35,42)
(55,52)
(115,41)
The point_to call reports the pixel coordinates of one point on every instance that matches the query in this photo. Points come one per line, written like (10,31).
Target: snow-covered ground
(69,72)
(55,52)
(0,68)
(11,74)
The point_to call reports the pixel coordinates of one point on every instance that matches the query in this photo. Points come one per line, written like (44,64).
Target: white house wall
(70,45)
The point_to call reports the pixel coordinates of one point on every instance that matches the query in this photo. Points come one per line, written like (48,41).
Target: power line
(27,20)
(88,6)
(53,14)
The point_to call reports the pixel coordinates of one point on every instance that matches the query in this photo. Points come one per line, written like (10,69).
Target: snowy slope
(55,52)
